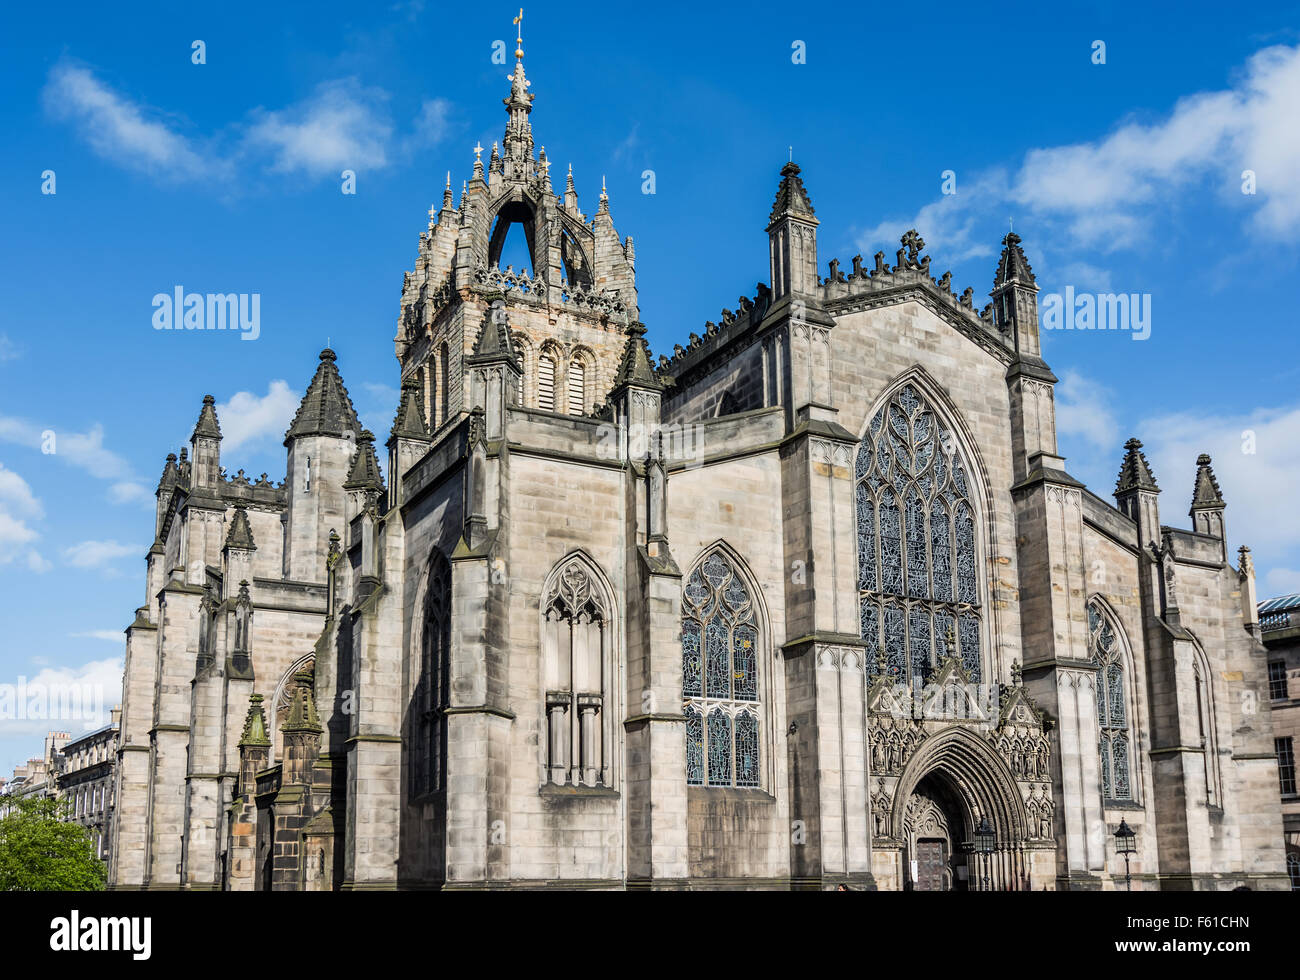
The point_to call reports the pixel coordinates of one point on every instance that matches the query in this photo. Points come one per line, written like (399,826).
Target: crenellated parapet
(703,353)
(885,284)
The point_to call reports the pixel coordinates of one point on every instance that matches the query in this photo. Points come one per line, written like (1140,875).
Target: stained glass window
(1112,709)
(694,746)
(746,749)
(917,542)
(720,663)
(720,772)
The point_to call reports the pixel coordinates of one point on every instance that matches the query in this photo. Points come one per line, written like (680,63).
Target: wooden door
(931,865)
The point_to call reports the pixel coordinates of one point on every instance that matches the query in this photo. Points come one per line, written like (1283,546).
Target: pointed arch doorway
(936,837)
(952,780)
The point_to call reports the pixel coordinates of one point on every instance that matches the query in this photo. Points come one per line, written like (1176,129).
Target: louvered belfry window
(546,383)
(577,387)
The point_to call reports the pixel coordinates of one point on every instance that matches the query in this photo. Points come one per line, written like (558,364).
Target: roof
(791,196)
(1281,603)
(326,409)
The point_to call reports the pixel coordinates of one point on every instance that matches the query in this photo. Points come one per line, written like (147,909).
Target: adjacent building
(86,782)
(1279,619)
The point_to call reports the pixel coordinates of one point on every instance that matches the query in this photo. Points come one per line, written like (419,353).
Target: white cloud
(1208,137)
(431,125)
(8,349)
(112,636)
(13,532)
(16,495)
(385,394)
(82,449)
(1255,453)
(97,554)
(1083,413)
(1258,486)
(341,126)
(247,417)
(1112,192)
(121,130)
(1279,581)
(17,505)
(127,491)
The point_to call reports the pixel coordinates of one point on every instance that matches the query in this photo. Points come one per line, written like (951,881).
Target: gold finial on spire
(519,37)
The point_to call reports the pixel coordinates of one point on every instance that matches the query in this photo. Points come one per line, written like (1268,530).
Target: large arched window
(720,685)
(1114,738)
(428,755)
(917,572)
(575,651)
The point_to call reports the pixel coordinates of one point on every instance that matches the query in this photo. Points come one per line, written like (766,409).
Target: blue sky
(225,177)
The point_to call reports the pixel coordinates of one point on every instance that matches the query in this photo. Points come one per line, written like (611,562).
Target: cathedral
(812,602)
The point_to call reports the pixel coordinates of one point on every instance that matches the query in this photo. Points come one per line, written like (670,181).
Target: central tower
(563,319)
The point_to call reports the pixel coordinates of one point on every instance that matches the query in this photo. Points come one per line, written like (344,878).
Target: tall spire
(1206,492)
(518,142)
(240,534)
(635,366)
(207,424)
(409,423)
(326,409)
(1013,266)
(364,471)
(1134,473)
(170,475)
(791,196)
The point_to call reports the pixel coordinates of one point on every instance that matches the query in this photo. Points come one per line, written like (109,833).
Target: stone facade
(807,603)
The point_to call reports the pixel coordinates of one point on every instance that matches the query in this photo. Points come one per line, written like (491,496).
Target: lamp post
(984,840)
(1124,844)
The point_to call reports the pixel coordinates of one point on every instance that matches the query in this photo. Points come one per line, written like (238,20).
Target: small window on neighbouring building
(1277,680)
(1285,764)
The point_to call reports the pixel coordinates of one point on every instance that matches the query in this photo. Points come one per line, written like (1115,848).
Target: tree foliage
(39,852)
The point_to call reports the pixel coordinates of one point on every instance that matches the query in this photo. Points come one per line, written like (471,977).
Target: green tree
(39,852)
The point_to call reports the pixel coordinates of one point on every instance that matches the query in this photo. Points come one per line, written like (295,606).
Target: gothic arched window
(432,693)
(575,647)
(720,642)
(917,571)
(1114,738)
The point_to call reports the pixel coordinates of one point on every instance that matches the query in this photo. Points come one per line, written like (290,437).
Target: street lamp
(1124,844)
(984,841)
